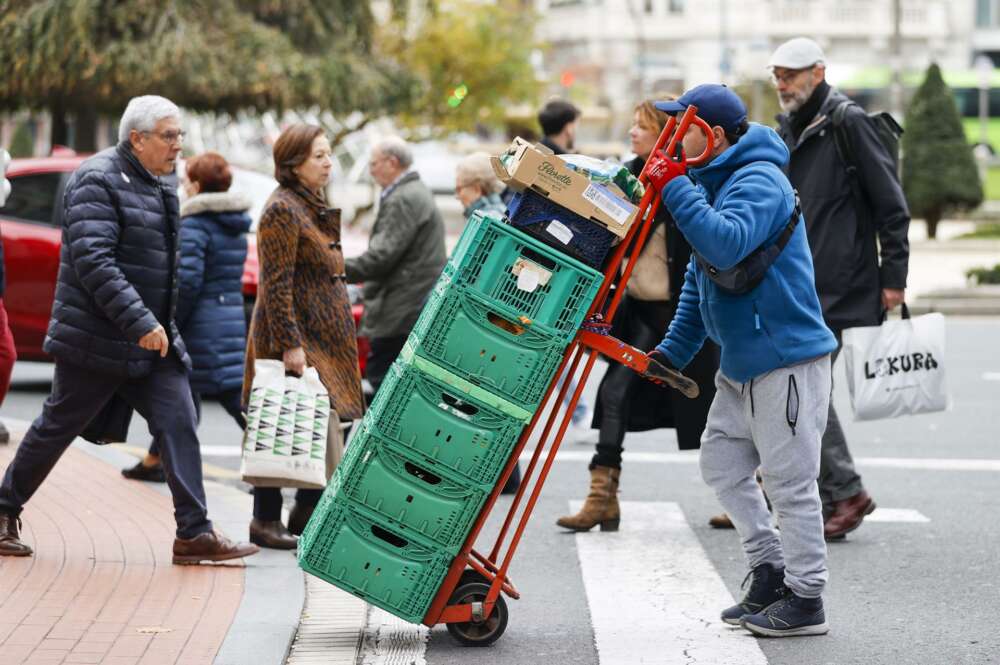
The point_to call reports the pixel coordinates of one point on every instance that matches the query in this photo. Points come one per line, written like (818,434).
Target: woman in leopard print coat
(302,315)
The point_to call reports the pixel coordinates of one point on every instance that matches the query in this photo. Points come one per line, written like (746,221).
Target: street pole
(896,85)
(984,69)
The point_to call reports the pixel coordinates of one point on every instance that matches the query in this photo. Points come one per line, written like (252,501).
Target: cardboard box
(525,165)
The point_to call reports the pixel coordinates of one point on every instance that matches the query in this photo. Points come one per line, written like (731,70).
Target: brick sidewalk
(100,587)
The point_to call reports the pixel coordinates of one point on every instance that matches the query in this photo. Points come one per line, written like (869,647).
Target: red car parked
(31,225)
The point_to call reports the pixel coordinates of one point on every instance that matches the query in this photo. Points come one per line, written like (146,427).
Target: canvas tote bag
(897,368)
(292,438)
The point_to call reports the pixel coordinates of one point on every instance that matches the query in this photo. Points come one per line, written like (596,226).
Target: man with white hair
(112,332)
(856,220)
(405,256)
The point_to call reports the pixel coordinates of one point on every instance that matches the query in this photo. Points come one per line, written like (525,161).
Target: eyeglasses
(170,137)
(788,76)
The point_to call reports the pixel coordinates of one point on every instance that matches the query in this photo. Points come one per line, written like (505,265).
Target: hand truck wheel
(477,633)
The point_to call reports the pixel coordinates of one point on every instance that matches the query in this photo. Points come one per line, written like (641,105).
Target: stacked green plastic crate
(445,420)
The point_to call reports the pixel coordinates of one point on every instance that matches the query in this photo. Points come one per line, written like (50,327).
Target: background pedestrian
(857,221)
(625,401)
(210,311)
(302,315)
(113,332)
(405,256)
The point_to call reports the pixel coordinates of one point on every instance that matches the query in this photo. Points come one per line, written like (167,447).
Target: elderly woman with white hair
(477,186)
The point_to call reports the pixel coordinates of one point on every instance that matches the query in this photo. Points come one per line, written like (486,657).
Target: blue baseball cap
(717,105)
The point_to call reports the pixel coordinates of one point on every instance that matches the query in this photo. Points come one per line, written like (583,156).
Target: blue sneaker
(791,616)
(767,586)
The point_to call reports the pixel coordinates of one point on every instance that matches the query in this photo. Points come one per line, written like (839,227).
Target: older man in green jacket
(405,255)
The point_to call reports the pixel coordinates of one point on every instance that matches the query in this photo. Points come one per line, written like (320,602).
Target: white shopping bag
(897,368)
(285,444)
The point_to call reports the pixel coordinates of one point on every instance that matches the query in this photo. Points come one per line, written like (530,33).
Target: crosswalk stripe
(907,463)
(654,596)
(906,515)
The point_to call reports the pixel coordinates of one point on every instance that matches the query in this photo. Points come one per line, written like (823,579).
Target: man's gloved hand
(661,169)
(661,358)
(658,357)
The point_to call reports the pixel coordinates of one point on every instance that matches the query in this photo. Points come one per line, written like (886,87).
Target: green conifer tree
(939,171)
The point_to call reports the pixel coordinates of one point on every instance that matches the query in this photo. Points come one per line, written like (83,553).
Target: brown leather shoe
(10,542)
(209,546)
(847,515)
(272,534)
(720,521)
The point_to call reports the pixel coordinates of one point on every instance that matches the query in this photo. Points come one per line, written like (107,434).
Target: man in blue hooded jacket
(773,386)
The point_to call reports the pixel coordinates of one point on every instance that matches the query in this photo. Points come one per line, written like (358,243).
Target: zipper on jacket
(756,318)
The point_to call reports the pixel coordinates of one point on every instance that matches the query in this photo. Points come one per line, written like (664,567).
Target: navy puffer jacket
(117,267)
(210,309)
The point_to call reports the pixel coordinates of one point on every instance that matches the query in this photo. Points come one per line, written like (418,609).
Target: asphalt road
(918,586)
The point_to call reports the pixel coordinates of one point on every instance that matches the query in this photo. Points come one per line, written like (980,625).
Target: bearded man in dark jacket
(113,334)
(857,233)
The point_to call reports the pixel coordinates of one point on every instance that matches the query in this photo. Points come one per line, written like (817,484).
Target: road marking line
(654,596)
(897,515)
(221,451)
(209,470)
(388,640)
(911,463)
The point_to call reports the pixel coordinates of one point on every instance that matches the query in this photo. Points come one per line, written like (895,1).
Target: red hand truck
(469,599)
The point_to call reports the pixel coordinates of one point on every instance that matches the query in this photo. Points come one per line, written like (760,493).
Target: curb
(981,300)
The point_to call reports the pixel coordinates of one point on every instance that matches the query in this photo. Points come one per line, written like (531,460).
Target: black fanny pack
(746,275)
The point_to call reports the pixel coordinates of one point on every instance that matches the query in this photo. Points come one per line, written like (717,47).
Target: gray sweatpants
(774,422)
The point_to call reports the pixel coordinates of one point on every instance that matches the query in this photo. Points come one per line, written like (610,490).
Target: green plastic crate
(407,492)
(484,345)
(489,252)
(355,551)
(460,431)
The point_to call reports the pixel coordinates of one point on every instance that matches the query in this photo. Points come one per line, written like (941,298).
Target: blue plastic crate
(561,228)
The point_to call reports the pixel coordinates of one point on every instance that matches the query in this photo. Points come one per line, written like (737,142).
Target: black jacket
(117,267)
(652,406)
(842,237)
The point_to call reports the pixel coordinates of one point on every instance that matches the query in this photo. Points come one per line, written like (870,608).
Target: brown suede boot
(601,506)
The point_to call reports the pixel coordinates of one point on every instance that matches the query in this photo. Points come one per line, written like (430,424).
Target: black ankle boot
(299,516)
(767,586)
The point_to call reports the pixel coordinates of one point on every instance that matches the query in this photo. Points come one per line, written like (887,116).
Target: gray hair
(476,169)
(142,114)
(393,146)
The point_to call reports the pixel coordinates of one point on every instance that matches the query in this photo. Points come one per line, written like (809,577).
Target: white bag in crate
(897,368)
(285,444)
